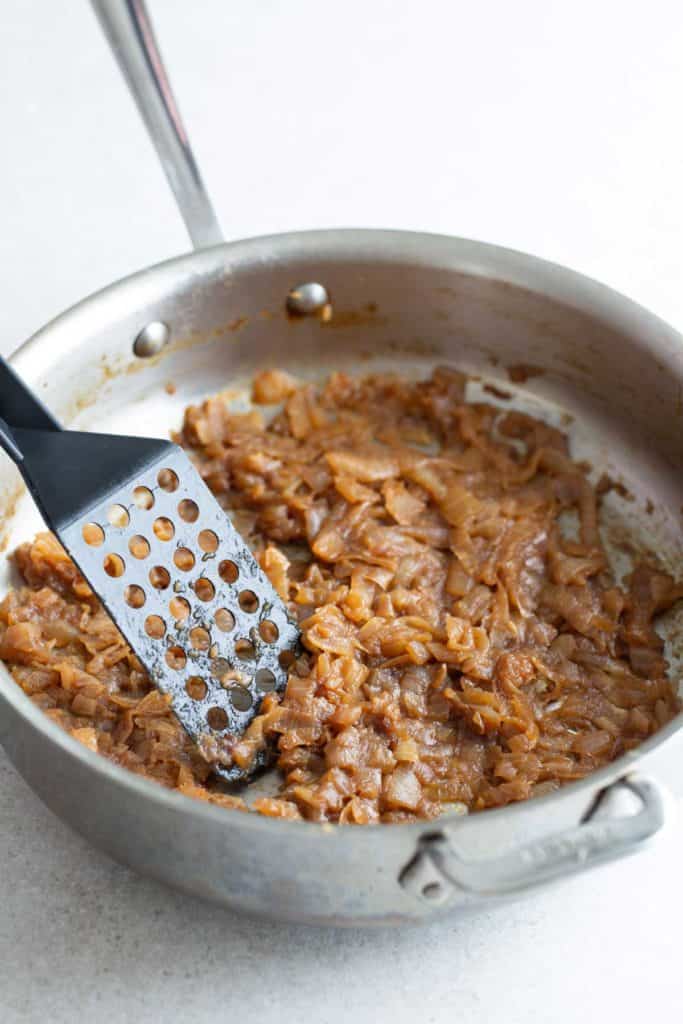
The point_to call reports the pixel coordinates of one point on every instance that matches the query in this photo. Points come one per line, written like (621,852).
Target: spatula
(161,554)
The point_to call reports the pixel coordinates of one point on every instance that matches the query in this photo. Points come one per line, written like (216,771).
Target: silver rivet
(307,298)
(151,339)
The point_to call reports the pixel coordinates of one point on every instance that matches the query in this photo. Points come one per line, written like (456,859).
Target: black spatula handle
(20,407)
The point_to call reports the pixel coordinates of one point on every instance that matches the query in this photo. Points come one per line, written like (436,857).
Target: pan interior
(637,518)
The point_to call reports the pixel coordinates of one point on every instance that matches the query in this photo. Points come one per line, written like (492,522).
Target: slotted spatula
(161,554)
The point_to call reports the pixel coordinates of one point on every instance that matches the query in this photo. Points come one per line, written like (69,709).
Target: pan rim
(431,249)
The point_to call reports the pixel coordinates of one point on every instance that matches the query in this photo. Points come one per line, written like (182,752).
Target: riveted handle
(437,871)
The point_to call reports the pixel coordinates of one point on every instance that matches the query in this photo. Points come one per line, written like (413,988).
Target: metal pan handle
(438,872)
(129,31)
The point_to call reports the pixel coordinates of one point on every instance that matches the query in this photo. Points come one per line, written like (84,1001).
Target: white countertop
(549,127)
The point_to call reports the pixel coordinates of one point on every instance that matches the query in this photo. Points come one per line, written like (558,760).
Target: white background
(550,127)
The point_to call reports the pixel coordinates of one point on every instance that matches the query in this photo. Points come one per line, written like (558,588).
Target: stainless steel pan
(407,301)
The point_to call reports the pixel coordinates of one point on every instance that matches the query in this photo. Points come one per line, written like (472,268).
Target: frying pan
(605,369)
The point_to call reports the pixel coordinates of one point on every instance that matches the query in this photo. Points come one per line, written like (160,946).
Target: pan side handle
(438,872)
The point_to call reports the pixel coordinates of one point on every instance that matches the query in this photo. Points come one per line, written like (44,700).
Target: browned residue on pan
(607,483)
(497,392)
(238,323)
(7,514)
(368,316)
(520,373)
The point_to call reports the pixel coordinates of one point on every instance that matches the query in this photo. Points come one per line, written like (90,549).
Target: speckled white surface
(546,126)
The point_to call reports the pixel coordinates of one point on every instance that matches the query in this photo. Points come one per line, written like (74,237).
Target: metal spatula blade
(167,564)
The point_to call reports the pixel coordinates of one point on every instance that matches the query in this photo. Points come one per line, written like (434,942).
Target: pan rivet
(307,298)
(151,339)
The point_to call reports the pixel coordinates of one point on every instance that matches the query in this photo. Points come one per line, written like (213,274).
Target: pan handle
(438,872)
(129,31)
